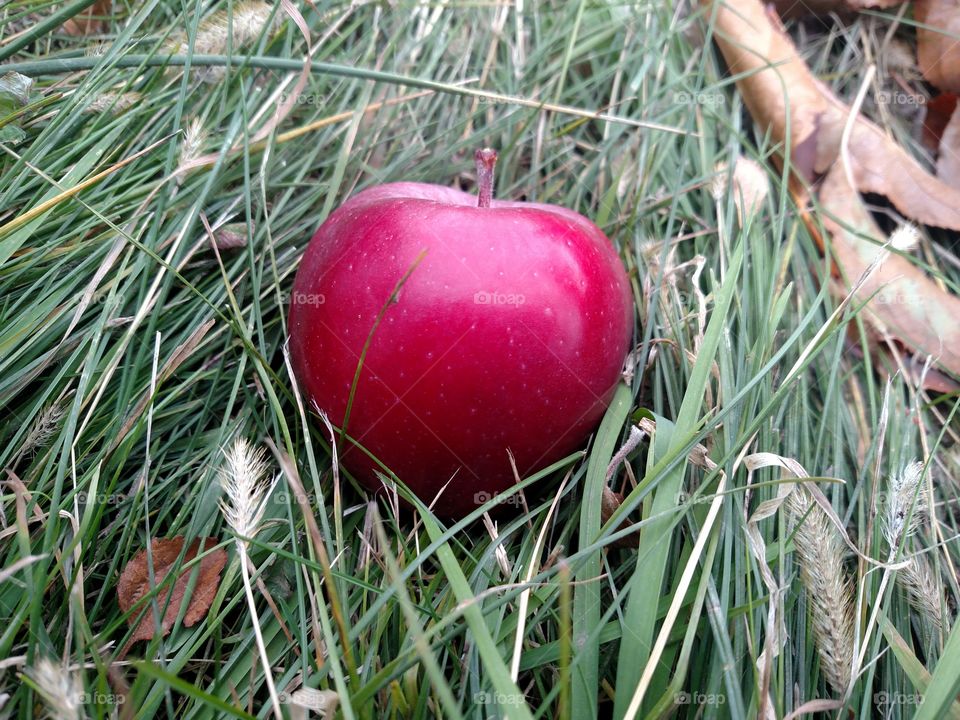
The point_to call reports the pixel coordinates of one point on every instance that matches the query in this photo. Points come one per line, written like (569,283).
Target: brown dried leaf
(777,86)
(134,584)
(938,27)
(890,358)
(87,22)
(757,49)
(881,166)
(907,304)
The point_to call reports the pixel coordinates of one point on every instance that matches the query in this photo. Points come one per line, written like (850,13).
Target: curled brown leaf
(906,302)
(134,584)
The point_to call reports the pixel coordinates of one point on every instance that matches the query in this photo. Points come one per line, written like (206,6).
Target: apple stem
(485,160)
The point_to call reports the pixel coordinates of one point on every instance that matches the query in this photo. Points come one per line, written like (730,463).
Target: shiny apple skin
(510,333)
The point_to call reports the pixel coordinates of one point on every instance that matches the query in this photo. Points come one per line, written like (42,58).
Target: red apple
(482,327)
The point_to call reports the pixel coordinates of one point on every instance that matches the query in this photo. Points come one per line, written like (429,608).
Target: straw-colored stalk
(242,478)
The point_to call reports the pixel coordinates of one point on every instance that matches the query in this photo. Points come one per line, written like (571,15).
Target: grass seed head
(905,238)
(820,554)
(906,504)
(60,689)
(242,478)
(247,21)
(43,429)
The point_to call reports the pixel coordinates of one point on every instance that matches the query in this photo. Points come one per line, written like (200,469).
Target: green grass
(158,352)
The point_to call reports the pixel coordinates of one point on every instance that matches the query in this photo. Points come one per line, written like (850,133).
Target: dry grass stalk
(820,553)
(242,478)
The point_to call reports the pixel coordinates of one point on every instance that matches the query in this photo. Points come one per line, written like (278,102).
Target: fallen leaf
(780,92)
(757,50)
(905,302)
(88,22)
(938,50)
(881,166)
(134,584)
(948,161)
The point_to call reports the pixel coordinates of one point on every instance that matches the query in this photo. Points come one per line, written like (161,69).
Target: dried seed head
(924,593)
(906,504)
(60,689)
(905,238)
(43,428)
(820,554)
(194,136)
(238,28)
(242,477)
